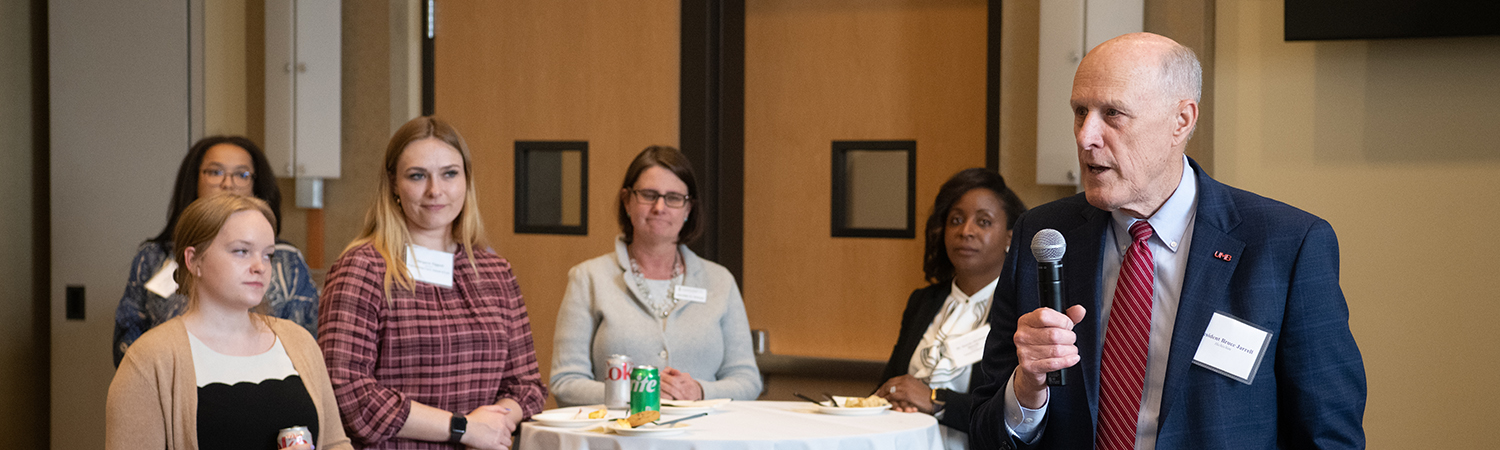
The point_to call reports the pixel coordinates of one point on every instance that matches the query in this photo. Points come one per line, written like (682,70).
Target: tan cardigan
(153,400)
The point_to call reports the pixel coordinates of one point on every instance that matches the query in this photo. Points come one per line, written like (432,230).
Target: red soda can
(293,436)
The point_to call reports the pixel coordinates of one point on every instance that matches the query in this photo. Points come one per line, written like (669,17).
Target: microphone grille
(1048,246)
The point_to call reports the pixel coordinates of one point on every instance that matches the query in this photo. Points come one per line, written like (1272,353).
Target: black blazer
(921,309)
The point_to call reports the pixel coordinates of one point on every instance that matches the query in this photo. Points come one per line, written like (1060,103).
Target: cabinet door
(303,87)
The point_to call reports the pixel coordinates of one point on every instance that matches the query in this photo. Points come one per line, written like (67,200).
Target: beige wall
(224,67)
(1393,143)
(23,353)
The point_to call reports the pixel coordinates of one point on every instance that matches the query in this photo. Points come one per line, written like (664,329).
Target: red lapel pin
(1223,256)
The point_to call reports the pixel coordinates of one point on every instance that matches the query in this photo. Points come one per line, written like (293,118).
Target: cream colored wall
(224,69)
(1393,142)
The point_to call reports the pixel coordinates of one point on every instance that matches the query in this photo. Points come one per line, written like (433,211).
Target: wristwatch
(457,426)
(939,399)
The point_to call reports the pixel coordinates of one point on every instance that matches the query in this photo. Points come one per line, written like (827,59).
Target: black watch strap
(941,395)
(457,426)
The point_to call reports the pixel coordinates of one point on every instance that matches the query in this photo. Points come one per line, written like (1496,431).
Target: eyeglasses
(216,176)
(649,197)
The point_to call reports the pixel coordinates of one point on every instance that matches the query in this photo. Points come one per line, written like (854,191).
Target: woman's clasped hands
(491,426)
(907,394)
(678,385)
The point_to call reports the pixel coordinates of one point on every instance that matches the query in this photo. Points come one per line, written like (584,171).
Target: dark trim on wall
(523,194)
(992,89)
(41,223)
(712,123)
(429,58)
(840,190)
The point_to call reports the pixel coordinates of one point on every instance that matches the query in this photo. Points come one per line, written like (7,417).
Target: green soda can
(645,389)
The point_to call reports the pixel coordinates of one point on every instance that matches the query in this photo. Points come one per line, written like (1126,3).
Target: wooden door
(824,70)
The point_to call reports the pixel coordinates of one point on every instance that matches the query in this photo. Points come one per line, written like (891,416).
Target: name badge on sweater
(691,294)
(162,283)
(430,266)
(967,349)
(1232,347)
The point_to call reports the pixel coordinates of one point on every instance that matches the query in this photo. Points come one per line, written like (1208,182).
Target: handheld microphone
(1048,247)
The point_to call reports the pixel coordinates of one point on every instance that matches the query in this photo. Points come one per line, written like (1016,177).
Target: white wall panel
(1069,28)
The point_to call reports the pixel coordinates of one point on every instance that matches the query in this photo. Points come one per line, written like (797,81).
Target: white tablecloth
(758,425)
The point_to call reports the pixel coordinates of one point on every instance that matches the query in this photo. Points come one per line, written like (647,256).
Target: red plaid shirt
(454,349)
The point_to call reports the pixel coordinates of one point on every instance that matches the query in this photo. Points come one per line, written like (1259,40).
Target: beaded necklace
(664,306)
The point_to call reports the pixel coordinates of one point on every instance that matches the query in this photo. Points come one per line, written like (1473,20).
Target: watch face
(456,427)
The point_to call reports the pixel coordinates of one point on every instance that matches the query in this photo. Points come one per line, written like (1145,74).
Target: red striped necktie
(1124,365)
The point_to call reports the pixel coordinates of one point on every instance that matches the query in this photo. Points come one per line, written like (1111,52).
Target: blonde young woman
(423,326)
(221,376)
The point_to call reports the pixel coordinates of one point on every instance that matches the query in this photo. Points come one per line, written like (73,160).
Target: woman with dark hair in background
(653,299)
(214,165)
(931,370)
(424,328)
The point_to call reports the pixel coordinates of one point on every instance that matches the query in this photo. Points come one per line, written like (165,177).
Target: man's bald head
(1178,74)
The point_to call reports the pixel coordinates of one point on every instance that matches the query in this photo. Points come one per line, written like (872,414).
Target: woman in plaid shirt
(423,326)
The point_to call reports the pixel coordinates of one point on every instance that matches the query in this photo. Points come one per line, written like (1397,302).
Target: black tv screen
(1381,19)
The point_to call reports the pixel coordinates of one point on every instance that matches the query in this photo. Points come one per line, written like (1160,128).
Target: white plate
(675,429)
(685,410)
(567,420)
(853,411)
(685,407)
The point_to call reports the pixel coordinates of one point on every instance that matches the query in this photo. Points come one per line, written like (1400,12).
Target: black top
(921,310)
(249,415)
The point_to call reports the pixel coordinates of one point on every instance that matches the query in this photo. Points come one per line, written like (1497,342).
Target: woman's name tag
(967,349)
(162,283)
(691,294)
(430,266)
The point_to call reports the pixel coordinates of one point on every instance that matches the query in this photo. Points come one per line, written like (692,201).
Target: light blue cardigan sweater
(603,313)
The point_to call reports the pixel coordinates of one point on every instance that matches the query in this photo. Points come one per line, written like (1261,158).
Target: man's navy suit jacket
(1281,273)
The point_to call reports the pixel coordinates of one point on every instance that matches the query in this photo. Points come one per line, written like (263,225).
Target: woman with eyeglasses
(214,165)
(654,300)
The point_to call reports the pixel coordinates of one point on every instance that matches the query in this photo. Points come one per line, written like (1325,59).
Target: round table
(757,425)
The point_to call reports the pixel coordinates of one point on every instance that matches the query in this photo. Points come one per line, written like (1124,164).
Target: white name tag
(162,283)
(691,294)
(430,266)
(1232,347)
(967,349)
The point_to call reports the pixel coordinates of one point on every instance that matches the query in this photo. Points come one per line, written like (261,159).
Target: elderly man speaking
(1202,316)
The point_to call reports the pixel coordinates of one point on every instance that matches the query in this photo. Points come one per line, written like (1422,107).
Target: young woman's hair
(185,189)
(197,227)
(385,222)
(674,161)
(935,262)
